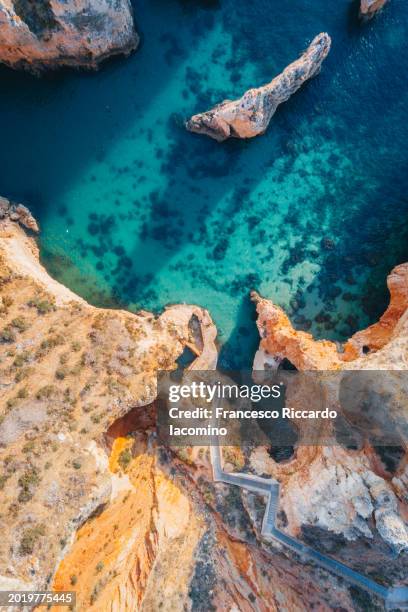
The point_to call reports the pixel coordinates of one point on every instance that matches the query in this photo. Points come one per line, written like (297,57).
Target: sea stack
(368,8)
(250,115)
(42,34)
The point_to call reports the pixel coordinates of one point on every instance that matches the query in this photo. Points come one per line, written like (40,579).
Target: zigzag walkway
(394,597)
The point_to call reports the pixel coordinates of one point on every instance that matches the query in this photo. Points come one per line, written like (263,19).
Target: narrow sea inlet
(136,211)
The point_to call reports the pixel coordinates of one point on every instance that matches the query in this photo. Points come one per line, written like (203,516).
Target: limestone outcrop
(368,8)
(351,502)
(52,33)
(68,371)
(388,330)
(18,212)
(90,501)
(250,115)
(279,340)
(380,346)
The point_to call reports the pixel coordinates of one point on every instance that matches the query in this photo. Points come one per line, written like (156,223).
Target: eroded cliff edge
(350,501)
(68,371)
(92,503)
(52,33)
(89,501)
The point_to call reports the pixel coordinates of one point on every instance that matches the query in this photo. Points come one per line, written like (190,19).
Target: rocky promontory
(92,502)
(381,346)
(19,213)
(250,115)
(68,372)
(350,501)
(52,33)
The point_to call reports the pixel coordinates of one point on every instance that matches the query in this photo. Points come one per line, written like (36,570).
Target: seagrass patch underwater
(136,211)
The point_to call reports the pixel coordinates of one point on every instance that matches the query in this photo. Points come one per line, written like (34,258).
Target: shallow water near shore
(135,211)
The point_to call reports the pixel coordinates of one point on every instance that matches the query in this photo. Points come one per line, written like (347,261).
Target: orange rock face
(93,502)
(351,501)
(279,339)
(58,473)
(378,335)
(53,33)
(156,545)
(149,521)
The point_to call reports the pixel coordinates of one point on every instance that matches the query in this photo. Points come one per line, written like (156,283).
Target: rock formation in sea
(44,34)
(380,346)
(18,212)
(92,502)
(368,8)
(250,115)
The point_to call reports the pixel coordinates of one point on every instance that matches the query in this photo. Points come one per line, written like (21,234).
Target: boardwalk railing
(394,597)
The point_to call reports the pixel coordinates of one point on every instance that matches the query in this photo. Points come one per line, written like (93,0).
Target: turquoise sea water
(136,211)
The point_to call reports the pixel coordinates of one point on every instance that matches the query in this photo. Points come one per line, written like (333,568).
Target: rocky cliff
(347,501)
(381,346)
(91,502)
(52,33)
(250,115)
(67,372)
